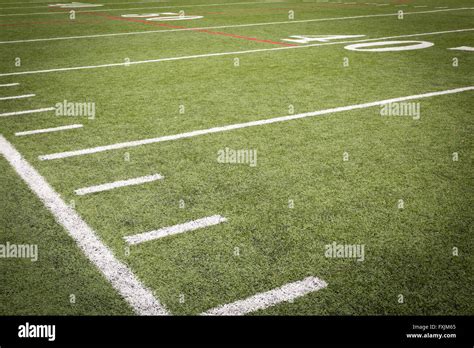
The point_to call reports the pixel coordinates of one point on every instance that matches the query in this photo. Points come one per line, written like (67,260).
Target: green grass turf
(408,251)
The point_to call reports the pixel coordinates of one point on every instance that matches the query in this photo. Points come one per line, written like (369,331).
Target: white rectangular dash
(116,184)
(18,97)
(181,228)
(48,130)
(24,112)
(9,84)
(270,298)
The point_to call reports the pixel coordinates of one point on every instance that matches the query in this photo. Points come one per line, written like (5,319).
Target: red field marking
(137,20)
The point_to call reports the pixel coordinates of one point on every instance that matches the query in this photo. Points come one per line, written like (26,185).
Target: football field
(220,157)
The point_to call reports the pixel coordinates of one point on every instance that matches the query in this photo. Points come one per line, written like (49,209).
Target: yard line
(10,84)
(270,298)
(176,229)
(462,48)
(230,127)
(224,26)
(113,185)
(48,130)
(137,8)
(226,53)
(118,274)
(24,112)
(18,97)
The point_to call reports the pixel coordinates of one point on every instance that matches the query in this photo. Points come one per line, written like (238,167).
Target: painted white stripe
(24,112)
(136,8)
(224,26)
(228,53)
(18,97)
(270,298)
(176,229)
(118,274)
(245,125)
(113,185)
(462,48)
(10,84)
(48,130)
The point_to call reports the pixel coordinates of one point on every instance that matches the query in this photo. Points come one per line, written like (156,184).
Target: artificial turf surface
(407,251)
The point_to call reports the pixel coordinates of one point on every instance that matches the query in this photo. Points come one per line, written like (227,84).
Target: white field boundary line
(230,127)
(24,112)
(48,130)
(136,8)
(18,97)
(206,55)
(118,274)
(287,292)
(176,229)
(10,84)
(122,183)
(225,26)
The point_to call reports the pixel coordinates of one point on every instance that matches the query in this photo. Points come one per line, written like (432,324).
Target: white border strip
(48,130)
(10,84)
(118,274)
(24,112)
(287,292)
(228,53)
(113,185)
(245,125)
(18,97)
(176,229)
(221,27)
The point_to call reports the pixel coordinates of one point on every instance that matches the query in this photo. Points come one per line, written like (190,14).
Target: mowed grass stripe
(225,26)
(219,54)
(195,133)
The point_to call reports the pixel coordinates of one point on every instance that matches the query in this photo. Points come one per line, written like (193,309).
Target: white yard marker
(227,53)
(118,274)
(10,84)
(116,184)
(48,130)
(24,112)
(176,229)
(18,97)
(270,298)
(230,127)
(224,26)
(462,48)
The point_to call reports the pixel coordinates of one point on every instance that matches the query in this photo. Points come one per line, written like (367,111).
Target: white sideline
(118,274)
(228,53)
(18,97)
(10,84)
(245,125)
(135,8)
(176,229)
(24,112)
(270,298)
(117,184)
(48,130)
(222,26)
